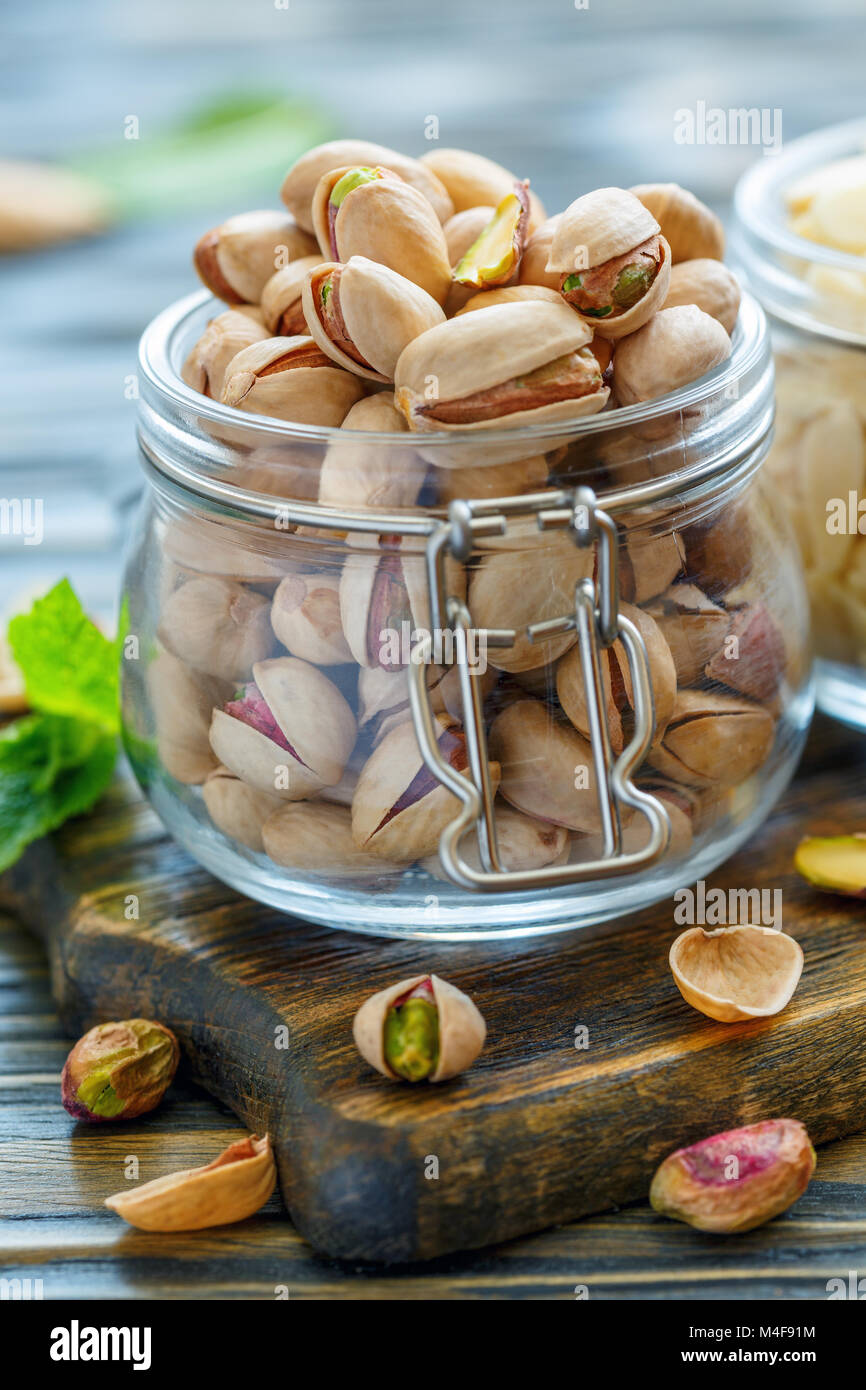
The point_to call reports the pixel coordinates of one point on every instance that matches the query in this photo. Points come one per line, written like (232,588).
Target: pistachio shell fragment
(236,808)
(299,185)
(736,973)
(494,257)
(231,1188)
(182,701)
(692,230)
(834,863)
(436,1043)
(291,379)
(738,1180)
(236,259)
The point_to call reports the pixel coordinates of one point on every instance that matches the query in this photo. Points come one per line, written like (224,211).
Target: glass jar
(815,296)
(339,710)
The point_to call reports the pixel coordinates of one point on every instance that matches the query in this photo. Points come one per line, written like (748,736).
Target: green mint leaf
(69,667)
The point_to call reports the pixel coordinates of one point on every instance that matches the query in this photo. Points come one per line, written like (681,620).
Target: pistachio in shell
(546,766)
(617,685)
(384,596)
(291,379)
(491,479)
(533,267)
(464,228)
(691,229)
(735,1181)
(713,740)
(751,660)
(524,843)
(119,1071)
(473,180)
(218,627)
(182,700)
(509,294)
(236,259)
(305,616)
(834,863)
(362,314)
(356,473)
(371,212)
(236,808)
(676,347)
(225,336)
(708,284)
(648,564)
(736,973)
(419,1029)
(316,837)
(494,257)
(282,306)
(216,549)
(289,731)
(680,810)
(693,626)
(299,185)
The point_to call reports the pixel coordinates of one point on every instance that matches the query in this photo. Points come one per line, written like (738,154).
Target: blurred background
(179,114)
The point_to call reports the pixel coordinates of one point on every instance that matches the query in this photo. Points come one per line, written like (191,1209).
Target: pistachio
(515,587)
(282,309)
(224,337)
(291,379)
(472,180)
(708,284)
(680,810)
(236,259)
(509,294)
(676,346)
(735,973)
(614,265)
(371,212)
(751,660)
(289,731)
(182,700)
(400,809)
(230,1189)
(492,479)
(422,1028)
(237,809)
(358,474)
(42,204)
(648,564)
(363,315)
(522,363)
(738,1180)
(721,550)
(316,838)
(693,626)
(216,549)
(617,684)
(547,768)
(118,1071)
(533,267)
(494,257)
(713,740)
(217,627)
(300,182)
(464,228)
(524,843)
(690,228)
(834,863)
(384,598)
(305,616)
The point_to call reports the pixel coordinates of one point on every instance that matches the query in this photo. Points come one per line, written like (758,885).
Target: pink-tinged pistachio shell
(649,564)
(305,616)
(533,267)
(359,474)
(282,309)
(182,701)
(676,347)
(524,843)
(509,294)
(400,810)
(119,1071)
(751,660)
(461,1027)
(735,973)
(237,809)
(690,227)
(617,684)
(314,719)
(387,221)
(383,586)
(290,379)
(529,584)
(694,628)
(597,227)
(381,313)
(225,336)
(299,185)
(217,627)
(473,180)
(713,740)
(834,863)
(315,837)
(236,259)
(738,1180)
(230,1189)
(708,284)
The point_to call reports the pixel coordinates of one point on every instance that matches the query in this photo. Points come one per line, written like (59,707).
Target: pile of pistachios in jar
(273,688)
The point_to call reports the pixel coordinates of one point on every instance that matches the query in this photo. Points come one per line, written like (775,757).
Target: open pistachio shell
(363,315)
(291,379)
(236,808)
(524,843)
(713,740)
(387,221)
(359,474)
(217,627)
(282,308)
(301,181)
(461,1028)
(834,863)
(182,701)
(694,628)
(533,267)
(224,337)
(597,227)
(735,973)
(495,255)
(231,1188)
(710,285)
(214,548)
(314,719)
(676,346)
(236,259)
(472,179)
(316,837)
(690,227)
(509,294)
(513,588)
(305,616)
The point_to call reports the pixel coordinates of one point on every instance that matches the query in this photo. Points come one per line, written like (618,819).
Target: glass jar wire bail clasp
(598,622)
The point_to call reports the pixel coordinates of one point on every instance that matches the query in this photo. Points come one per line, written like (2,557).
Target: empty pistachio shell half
(231,1188)
(289,731)
(236,808)
(282,309)
(301,181)
(363,314)
(617,684)
(689,226)
(533,267)
(734,973)
(421,1028)
(182,701)
(472,180)
(676,346)
(236,259)
(713,739)
(513,588)
(305,616)
(495,255)
(708,284)
(835,863)
(693,626)
(524,843)
(371,212)
(359,474)
(217,627)
(224,337)
(291,379)
(546,766)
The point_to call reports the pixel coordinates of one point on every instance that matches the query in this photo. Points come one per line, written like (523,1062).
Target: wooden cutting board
(539,1131)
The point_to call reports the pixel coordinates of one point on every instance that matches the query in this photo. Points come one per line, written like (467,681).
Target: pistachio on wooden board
(231,1188)
(419,1029)
(118,1071)
(834,863)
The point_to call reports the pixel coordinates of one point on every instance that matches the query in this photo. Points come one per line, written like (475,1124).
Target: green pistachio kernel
(571,282)
(326,292)
(350,181)
(100,1097)
(412,1039)
(631,285)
